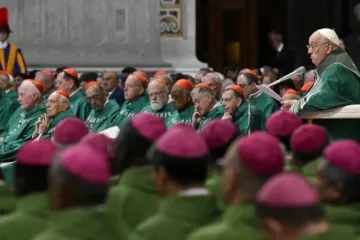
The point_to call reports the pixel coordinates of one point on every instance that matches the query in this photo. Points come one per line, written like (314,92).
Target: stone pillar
(177,27)
(87,34)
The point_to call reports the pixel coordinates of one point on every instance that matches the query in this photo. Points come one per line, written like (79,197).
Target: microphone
(299,71)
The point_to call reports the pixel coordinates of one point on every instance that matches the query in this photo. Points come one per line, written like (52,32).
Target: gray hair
(214,75)
(203,91)
(29,86)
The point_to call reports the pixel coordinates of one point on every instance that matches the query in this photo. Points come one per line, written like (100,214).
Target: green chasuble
(55,121)
(163,113)
(134,198)
(241,119)
(177,217)
(238,222)
(101,120)
(29,218)
(79,105)
(91,223)
(213,184)
(7,200)
(7,108)
(13,95)
(265,104)
(46,95)
(216,112)
(184,117)
(20,129)
(344,222)
(337,84)
(129,109)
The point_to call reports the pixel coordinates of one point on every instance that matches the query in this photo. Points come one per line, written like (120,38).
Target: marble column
(87,34)
(177,27)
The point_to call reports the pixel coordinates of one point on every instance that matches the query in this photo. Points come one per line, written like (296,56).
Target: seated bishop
(57,109)
(22,123)
(159,106)
(103,111)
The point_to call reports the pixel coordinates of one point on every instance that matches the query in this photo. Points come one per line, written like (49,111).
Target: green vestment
(79,105)
(80,224)
(7,200)
(238,222)
(13,96)
(337,84)
(29,218)
(55,121)
(184,117)
(20,129)
(46,96)
(129,109)
(344,223)
(163,113)
(216,112)
(177,217)
(265,104)
(241,119)
(100,120)
(134,198)
(7,108)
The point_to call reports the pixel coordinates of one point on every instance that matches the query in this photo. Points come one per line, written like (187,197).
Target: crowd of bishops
(197,158)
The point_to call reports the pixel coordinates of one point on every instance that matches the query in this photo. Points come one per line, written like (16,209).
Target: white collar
(6,91)
(198,191)
(217,104)
(74,92)
(111,92)
(280,48)
(3,44)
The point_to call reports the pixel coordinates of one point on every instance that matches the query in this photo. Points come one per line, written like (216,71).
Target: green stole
(216,112)
(184,117)
(55,121)
(162,113)
(129,109)
(101,120)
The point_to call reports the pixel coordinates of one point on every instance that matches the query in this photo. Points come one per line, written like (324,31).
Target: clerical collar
(280,48)
(3,44)
(199,191)
(71,94)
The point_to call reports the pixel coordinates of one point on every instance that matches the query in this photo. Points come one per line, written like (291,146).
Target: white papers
(111,132)
(268,91)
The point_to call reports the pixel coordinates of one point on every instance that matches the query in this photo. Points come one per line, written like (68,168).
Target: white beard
(156,105)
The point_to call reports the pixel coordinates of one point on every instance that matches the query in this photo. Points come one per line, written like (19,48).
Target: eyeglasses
(95,97)
(315,46)
(227,100)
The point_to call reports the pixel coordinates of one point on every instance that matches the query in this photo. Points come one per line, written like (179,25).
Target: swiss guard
(11,58)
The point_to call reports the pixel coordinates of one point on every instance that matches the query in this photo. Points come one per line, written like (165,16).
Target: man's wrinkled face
(63,83)
(180,98)
(54,105)
(133,88)
(230,102)
(158,95)
(318,48)
(26,98)
(202,103)
(248,88)
(110,81)
(209,79)
(95,97)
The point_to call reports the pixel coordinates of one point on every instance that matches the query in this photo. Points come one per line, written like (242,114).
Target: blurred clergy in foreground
(237,110)
(21,125)
(337,84)
(159,96)
(57,109)
(103,112)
